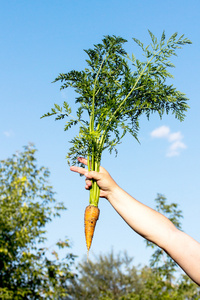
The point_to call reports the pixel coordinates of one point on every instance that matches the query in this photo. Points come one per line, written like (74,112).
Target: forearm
(142,219)
(158,229)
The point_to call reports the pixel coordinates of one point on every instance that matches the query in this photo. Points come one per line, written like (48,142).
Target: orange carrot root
(91,217)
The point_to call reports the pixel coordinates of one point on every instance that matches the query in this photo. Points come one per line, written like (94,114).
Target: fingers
(88,181)
(83,171)
(82,160)
(78,170)
(88,184)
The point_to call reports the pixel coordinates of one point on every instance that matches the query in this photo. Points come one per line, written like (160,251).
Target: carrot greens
(114,90)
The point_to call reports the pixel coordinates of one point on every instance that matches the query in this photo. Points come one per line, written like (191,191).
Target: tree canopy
(28,270)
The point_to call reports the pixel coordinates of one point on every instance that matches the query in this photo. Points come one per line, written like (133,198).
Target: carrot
(91,217)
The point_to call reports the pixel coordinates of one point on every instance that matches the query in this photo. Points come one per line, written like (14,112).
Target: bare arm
(148,223)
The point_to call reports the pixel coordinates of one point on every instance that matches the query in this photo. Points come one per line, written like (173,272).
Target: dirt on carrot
(91,217)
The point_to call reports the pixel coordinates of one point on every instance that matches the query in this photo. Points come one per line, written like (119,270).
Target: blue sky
(39,40)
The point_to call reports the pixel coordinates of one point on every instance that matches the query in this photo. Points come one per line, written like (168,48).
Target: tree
(27,204)
(115,277)
(108,277)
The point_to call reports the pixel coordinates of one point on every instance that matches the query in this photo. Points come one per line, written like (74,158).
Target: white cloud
(174,138)
(8,133)
(174,149)
(160,132)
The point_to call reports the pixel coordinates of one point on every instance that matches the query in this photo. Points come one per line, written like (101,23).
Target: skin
(148,223)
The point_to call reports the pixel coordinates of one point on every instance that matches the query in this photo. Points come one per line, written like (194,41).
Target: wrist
(112,194)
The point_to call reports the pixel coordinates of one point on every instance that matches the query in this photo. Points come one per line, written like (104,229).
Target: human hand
(103,178)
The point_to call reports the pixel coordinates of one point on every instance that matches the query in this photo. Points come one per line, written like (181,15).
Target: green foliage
(115,277)
(108,277)
(114,90)
(28,270)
